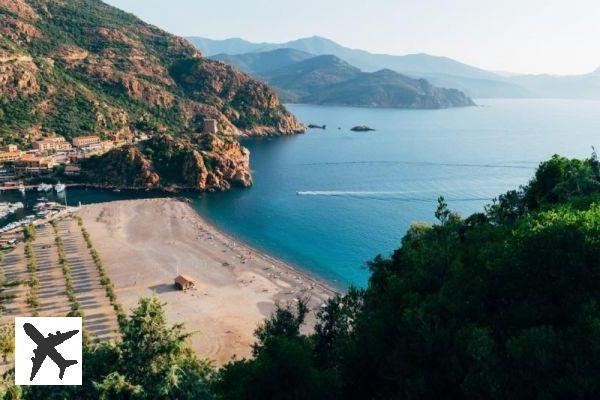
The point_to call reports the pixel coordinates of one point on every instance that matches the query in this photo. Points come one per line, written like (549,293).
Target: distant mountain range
(301,77)
(261,62)
(440,71)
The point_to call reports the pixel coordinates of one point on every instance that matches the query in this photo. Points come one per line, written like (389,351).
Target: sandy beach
(144,244)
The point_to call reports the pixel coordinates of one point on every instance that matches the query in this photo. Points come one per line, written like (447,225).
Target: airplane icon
(47,348)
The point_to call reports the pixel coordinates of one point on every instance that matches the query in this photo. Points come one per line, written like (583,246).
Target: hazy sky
(529,36)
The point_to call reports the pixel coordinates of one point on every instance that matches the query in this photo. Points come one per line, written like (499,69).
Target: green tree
(151,361)
(157,357)
(115,386)
(7,341)
(283,366)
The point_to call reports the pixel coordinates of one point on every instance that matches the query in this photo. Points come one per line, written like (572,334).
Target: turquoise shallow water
(330,200)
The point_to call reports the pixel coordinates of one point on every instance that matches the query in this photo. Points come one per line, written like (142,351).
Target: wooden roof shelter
(184,282)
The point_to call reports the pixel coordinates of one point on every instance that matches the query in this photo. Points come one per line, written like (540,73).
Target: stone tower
(210,126)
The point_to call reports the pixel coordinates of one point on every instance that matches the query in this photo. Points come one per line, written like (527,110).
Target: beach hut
(184,282)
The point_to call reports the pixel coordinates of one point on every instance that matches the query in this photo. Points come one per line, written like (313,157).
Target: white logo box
(48,331)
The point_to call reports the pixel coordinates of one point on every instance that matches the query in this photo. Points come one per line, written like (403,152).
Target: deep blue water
(330,200)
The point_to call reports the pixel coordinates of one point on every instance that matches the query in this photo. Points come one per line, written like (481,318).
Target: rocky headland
(82,67)
(203,162)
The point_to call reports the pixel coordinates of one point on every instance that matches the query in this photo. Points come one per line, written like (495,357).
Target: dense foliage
(504,304)
(151,361)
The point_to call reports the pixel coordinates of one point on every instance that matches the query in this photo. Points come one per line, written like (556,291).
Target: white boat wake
(385,195)
(351,193)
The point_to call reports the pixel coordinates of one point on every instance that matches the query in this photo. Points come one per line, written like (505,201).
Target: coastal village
(45,158)
(56,154)
(49,154)
(50,158)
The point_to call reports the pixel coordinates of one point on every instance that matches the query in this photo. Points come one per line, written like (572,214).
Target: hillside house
(86,141)
(52,144)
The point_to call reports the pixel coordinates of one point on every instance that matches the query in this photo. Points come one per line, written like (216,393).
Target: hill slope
(80,66)
(298,80)
(387,88)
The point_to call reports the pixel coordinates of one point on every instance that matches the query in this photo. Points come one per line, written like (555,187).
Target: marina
(45,211)
(20,213)
(9,208)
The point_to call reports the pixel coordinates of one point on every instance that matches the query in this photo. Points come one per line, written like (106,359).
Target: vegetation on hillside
(81,66)
(502,304)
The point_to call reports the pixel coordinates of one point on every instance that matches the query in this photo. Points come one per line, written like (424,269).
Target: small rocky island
(361,128)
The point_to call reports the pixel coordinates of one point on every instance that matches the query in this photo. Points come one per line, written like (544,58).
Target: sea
(330,200)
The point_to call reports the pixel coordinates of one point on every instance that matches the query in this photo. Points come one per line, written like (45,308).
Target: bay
(330,200)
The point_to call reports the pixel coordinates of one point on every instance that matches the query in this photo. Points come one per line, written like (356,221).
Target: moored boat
(44,187)
(59,187)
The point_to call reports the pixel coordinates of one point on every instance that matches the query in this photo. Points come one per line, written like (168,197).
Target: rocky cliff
(202,162)
(72,67)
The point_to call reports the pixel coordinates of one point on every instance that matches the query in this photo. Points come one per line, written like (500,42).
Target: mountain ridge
(260,62)
(442,71)
(329,80)
(387,88)
(439,70)
(318,45)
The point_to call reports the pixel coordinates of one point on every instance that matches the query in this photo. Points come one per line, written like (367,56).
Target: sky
(522,36)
